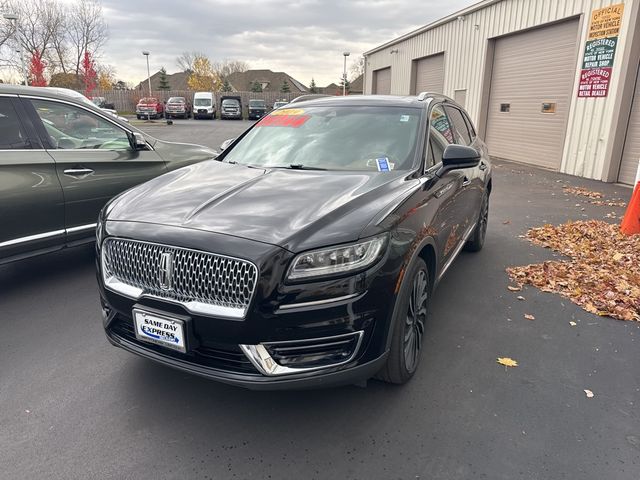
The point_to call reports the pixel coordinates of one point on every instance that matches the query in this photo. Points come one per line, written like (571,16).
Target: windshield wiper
(299,166)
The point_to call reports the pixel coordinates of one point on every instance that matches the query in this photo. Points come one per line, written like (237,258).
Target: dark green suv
(61,160)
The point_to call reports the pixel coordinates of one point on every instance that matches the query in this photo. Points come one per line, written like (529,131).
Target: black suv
(257,109)
(307,255)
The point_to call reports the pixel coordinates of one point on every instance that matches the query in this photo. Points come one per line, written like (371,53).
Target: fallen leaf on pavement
(607,203)
(582,192)
(573,324)
(529,317)
(506,222)
(514,289)
(589,393)
(507,362)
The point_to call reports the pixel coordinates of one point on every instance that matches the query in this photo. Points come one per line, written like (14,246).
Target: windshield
(148,100)
(202,102)
(176,100)
(256,103)
(230,102)
(332,138)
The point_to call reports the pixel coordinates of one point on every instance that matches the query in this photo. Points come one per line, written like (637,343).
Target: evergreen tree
(285,88)
(347,86)
(163,81)
(226,87)
(312,86)
(256,87)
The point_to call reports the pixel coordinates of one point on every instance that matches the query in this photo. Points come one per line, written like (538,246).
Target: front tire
(408,325)
(476,242)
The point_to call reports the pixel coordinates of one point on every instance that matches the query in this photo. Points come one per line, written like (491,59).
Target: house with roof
(176,81)
(269,81)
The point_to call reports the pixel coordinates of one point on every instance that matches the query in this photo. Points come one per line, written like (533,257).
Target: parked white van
(204,105)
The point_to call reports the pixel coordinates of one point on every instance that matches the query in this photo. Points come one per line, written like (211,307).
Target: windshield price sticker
(288,111)
(383,164)
(293,121)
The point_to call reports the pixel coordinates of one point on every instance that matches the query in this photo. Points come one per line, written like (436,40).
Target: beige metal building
(524,70)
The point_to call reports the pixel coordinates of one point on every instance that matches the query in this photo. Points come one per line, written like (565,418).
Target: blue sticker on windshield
(383,164)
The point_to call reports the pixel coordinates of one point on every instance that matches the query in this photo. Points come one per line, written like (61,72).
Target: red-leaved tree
(89,74)
(36,70)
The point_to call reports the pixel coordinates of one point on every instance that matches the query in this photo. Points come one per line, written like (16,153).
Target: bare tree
(60,32)
(356,68)
(186,59)
(7,27)
(87,30)
(226,67)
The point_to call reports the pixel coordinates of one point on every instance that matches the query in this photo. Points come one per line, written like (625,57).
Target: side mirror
(137,141)
(458,156)
(226,144)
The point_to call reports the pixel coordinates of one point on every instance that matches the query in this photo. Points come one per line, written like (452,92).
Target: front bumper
(317,334)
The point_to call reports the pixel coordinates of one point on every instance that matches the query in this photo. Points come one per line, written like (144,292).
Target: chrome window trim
(266,365)
(195,307)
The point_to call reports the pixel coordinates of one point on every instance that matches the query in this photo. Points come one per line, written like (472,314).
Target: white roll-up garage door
(429,74)
(531,85)
(382,81)
(631,153)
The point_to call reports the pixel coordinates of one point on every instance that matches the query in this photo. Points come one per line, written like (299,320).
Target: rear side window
(12,133)
(441,126)
(459,125)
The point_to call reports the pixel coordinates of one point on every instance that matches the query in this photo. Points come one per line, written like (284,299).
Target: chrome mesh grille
(197,277)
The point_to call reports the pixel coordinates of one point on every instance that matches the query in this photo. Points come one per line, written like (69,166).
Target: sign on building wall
(600,51)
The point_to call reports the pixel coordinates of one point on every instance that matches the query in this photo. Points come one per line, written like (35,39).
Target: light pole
(13,17)
(344,74)
(146,54)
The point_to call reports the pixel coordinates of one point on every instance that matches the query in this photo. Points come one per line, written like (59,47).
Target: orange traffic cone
(631,222)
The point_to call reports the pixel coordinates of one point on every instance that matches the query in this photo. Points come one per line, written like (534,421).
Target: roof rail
(423,96)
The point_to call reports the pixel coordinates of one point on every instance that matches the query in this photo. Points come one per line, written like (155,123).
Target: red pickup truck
(149,108)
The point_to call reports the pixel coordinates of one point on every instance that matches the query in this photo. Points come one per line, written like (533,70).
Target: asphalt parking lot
(73,406)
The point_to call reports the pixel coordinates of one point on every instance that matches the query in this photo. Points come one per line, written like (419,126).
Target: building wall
(467,44)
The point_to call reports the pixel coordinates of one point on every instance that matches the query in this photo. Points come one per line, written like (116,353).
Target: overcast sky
(304,38)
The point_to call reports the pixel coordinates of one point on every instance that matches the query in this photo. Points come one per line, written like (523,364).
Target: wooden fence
(126,100)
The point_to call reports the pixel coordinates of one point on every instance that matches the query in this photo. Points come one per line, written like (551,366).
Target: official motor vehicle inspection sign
(600,51)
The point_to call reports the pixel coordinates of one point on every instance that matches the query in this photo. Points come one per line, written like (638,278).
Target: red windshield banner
(293,121)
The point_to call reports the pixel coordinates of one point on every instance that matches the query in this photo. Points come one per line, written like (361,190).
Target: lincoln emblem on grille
(166,271)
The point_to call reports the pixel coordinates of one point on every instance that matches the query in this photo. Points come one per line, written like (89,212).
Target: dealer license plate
(160,330)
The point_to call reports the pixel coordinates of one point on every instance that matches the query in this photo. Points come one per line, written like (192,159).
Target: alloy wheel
(415,320)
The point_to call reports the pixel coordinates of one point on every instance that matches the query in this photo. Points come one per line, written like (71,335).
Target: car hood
(293,209)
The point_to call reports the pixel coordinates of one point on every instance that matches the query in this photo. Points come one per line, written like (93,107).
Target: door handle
(73,172)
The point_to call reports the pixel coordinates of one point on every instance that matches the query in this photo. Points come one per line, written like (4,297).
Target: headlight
(339,259)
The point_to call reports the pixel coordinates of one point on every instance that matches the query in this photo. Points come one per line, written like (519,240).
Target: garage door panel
(532,68)
(631,152)
(382,81)
(429,74)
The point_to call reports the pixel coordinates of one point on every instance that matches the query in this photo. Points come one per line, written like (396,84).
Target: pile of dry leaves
(603,275)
